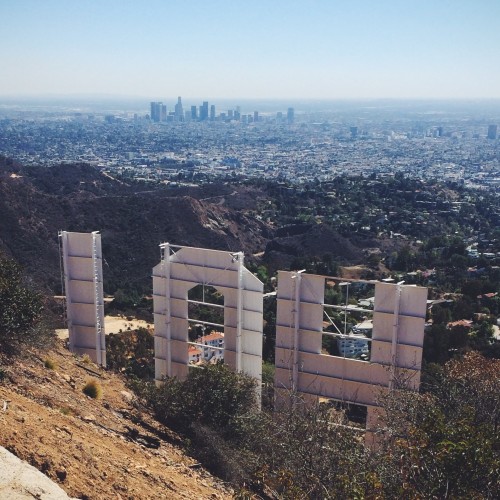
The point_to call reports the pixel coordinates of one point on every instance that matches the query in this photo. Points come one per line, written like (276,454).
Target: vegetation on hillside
(22,319)
(443,442)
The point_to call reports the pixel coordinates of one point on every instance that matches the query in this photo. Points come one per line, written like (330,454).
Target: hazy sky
(320,49)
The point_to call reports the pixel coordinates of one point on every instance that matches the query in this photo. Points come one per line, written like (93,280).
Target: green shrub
(212,395)
(50,364)
(21,311)
(131,352)
(93,389)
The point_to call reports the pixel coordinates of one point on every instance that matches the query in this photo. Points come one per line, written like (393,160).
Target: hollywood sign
(301,365)
(395,353)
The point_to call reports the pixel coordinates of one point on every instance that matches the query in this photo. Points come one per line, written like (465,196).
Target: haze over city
(259,49)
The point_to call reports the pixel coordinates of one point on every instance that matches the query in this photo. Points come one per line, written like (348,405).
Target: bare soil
(94,448)
(113,324)
(353,272)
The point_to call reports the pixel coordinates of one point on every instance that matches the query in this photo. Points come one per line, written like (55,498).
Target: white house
(213,346)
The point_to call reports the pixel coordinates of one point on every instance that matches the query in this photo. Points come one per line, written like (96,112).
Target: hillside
(134,218)
(35,203)
(96,449)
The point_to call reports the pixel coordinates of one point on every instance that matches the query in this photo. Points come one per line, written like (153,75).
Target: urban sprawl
(179,145)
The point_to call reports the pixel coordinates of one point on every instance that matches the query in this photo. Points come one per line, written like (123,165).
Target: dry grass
(50,364)
(93,389)
(86,359)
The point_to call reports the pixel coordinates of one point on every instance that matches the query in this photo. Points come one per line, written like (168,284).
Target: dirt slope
(96,449)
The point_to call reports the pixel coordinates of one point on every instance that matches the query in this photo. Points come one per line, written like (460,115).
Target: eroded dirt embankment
(97,449)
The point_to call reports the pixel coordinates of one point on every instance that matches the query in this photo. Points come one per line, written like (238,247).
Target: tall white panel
(183,268)
(82,261)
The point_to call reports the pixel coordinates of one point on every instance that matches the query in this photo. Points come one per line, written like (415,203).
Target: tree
(440,314)
(404,259)
(132,352)
(445,442)
(437,344)
(21,311)
(482,338)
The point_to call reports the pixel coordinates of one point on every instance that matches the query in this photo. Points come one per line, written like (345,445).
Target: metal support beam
(239,312)
(98,300)
(208,323)
(63,236)
(202,303)
(206,346)
(348,308)
(165,261)
(296,327)
(395,334)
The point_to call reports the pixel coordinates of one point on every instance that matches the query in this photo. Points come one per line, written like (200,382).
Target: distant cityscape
(177,145)
(160,114)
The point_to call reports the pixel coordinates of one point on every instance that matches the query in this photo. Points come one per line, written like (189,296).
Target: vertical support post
(165,247)
(296,326)
(63,235)
(346,284)
(395,334)
(98,300)
(239,318)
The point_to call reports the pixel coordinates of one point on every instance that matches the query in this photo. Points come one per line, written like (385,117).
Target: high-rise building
(290,115)
(179,113)
(212,112)
(194,113)
(492,132)
(255,116)
(204,111)
(163,113)
(354,132)
(156,111)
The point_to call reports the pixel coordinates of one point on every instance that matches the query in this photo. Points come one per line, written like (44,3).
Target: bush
(93,389)
(302,451)
(131,352)
(446,441)
(212,395)
(22,320)
(66,410)
(296,453)
(50,364)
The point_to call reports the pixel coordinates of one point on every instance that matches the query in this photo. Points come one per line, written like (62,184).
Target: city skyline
(260,50)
